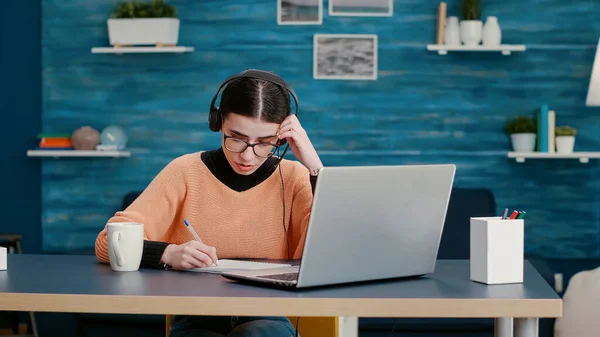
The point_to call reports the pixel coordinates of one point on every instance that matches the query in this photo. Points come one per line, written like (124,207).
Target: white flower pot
(491,34)
(471,32)
(452,32)
(523,142)
(565,144)
(143,31)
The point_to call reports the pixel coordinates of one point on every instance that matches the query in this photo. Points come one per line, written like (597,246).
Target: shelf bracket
(442,52)
(584,160)
(506,52)
(520,160)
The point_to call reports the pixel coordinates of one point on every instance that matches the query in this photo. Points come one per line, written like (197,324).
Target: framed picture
(361,7)
(345,56)
(299,12)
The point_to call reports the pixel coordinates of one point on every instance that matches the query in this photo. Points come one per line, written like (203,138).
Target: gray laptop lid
(375,222)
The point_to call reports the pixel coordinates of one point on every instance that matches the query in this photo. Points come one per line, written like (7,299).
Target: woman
(232,196)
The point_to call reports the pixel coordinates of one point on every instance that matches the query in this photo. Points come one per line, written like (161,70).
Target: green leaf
(471,10)
(521,124)
(152,9)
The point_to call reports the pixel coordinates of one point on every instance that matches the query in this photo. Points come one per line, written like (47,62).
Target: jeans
(231,326)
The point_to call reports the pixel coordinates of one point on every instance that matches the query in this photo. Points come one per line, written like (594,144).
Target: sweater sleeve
(300,213)
(153,251)
(157,207)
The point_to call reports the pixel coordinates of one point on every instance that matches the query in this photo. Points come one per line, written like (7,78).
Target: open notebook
(228,265)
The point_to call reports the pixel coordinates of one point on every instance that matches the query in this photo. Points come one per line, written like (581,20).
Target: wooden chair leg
(316,326)
(168,324)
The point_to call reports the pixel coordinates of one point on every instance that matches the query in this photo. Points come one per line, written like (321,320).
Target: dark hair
(255,98)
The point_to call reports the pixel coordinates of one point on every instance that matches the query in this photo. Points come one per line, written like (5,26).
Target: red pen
(514,215)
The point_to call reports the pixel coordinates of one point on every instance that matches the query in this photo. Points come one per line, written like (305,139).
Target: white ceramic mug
(125,245)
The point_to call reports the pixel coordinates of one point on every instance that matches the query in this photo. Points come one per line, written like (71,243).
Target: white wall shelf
(148,49)
(77,153)
(583,157)
(505,49)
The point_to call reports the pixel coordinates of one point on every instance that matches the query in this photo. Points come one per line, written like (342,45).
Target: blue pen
(191,229)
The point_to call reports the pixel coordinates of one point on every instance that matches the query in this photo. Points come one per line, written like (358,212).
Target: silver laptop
(368,223)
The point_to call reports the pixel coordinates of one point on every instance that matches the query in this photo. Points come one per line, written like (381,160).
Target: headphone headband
(214,115)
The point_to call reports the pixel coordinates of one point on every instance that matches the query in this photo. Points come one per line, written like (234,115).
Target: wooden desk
(65,283)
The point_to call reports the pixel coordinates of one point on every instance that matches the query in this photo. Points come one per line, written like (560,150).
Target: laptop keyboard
(281,277)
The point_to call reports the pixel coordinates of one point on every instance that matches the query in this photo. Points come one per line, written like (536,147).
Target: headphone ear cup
(214,120)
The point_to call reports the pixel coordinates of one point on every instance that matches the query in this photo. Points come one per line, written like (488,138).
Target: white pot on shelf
(143,31)
(523,142)
(452,32)
(471,32)
(492,34)
(565,144)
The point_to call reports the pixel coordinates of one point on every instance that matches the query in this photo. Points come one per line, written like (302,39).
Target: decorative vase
(143,31)
(523,142)
(492,34)
(471,32)
(113,137)
(565,144)
(452,32)
(85,138)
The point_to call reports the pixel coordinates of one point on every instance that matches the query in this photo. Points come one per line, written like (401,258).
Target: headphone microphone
(215,119)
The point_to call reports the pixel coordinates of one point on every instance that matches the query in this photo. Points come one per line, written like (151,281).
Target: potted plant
(471,26)
(523,133)
(565,139)
(137,23)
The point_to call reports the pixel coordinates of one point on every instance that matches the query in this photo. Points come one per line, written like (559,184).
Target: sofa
(464,203)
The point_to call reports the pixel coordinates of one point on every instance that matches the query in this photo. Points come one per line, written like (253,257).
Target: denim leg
(200,326)
(262,327)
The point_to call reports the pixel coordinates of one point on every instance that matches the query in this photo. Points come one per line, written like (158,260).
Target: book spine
(551,130)
(441,23)
(542,135)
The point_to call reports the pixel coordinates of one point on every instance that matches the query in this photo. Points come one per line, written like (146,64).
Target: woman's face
(251,130)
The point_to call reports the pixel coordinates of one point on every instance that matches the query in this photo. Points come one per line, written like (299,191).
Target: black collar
(219,166)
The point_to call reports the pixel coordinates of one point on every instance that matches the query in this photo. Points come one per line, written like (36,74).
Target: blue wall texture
(424,108)
(20,111)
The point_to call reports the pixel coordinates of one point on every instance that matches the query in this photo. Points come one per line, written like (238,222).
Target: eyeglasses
(261,149)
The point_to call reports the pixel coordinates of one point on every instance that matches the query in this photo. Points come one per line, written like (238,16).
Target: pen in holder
(497,250)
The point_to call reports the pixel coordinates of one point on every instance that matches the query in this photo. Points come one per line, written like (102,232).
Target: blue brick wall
(424,108)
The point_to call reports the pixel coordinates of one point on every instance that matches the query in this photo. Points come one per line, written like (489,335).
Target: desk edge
(246,306)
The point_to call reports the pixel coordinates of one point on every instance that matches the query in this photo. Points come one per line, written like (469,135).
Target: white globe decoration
(114,136)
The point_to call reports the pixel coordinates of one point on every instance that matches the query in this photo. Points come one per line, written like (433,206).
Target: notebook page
(228,265)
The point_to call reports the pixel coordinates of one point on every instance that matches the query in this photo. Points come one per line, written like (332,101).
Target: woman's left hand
(301,146)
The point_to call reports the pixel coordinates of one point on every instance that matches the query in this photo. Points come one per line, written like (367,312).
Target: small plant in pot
(143,23)
(565,139)
(523,133)
(471,26)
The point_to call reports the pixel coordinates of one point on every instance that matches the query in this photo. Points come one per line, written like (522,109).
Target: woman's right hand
(192,254)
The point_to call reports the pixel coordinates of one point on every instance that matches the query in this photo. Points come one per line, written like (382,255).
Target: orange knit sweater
(245,224)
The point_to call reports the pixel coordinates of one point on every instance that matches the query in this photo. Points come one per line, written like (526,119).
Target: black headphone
(215,117)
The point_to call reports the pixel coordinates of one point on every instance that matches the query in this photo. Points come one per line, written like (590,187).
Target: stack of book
(546,125)
(53,141)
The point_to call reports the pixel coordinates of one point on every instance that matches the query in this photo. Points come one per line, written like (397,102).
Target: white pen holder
(497,250)
(3,258)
